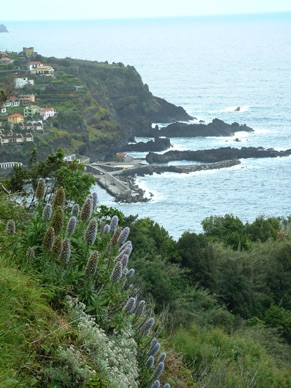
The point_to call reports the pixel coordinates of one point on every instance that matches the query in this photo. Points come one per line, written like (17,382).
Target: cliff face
(117,105)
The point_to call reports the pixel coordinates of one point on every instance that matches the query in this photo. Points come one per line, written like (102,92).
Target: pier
(118,179)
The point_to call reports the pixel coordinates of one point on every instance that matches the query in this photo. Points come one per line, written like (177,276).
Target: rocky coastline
(216,155)
(156,145)
(180,129)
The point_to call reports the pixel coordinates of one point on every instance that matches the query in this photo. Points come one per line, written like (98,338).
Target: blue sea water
(210,66)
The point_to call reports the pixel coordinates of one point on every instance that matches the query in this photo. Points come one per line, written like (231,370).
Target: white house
(5,165)
(3,109)
(47,112)
(20,82)
(12,101)
(43,70)
(34,64)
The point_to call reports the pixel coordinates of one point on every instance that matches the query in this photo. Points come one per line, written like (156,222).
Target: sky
(119,9)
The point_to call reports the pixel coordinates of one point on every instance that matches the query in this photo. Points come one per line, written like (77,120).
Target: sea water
(210,66)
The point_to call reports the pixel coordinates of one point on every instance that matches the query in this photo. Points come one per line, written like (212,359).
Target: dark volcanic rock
(158,144)
(215,128)
(216,155)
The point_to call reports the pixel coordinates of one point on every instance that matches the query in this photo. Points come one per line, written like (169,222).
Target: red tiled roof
(15,115)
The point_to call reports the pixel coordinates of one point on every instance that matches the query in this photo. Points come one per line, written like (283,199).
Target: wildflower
(40,189)
(146,327)
(60,198)
(154,350)
(49,239)
(58,220)
(130,305)
(92,263)
(30,254)
(159,369)
(71,225)
(113,224)
(130,273)
(167,385)
(94,200)
(124,261)
(156,384)
(86,210)
(106,229)
(153,342)
(47,212)
(116,273)
(140,309)
(66,251)
(91,232)
(162,357)
(57,247)
(75,210)
(123,247)
(150,362)
(123,235)
(10,227)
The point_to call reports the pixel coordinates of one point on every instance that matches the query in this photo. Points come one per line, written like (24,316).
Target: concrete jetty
(117,179)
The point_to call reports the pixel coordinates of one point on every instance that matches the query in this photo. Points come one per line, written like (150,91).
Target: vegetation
(81,305)
(99,106)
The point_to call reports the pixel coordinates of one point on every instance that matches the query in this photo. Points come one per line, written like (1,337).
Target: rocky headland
(216,155)
(3,28)
(216,128)
(156,145)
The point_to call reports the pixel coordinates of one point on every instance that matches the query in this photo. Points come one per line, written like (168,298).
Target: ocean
(210,66)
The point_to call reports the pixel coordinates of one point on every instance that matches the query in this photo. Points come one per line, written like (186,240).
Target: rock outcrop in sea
(216,155)
(216,128)
(3,28)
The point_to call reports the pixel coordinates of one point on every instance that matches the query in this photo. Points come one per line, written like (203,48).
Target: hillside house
(43,70)
(47,112)
(123,158)
(30,111)
(15,138)
(15,118)
(33,65)
(12,101)
(5,165)
(6,61)
(3,109)
(25,98)
(36,126)
(20,82)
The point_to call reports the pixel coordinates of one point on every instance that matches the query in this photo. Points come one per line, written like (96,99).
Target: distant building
(123,158)
(24,98)
(3,109)
(30,111)
(20,82)
(5,165)
(12,101)
(15,118)
(47,112)
(28,51)
(36,126)
(43,70)
(33,65)
(6,60)
(15,138)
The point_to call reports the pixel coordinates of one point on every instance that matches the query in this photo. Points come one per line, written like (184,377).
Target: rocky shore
(216,128)
(156,145)
(216,155)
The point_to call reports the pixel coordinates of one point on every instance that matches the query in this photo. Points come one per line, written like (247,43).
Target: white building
(20,82)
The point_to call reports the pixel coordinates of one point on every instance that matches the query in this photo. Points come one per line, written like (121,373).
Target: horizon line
(131,18)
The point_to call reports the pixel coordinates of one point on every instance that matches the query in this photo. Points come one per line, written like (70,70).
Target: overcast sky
(107,9)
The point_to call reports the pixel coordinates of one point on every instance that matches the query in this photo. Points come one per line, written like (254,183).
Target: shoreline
(121,184)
